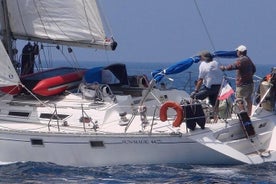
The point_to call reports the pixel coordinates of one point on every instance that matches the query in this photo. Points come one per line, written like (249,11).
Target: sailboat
(94,127)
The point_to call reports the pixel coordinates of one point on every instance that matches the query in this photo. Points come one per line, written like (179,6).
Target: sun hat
(206,55)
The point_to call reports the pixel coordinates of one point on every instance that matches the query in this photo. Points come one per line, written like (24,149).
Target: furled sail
(70,22)
(187,63)
(8,75)
(175,68)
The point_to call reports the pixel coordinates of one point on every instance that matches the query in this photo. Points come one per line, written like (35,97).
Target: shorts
(244,91)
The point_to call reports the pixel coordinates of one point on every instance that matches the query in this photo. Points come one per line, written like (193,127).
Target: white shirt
(210,73)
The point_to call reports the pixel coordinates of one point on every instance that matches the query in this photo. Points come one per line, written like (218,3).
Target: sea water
(31,172)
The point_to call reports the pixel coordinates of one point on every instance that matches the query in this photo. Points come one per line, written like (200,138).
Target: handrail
(55,114)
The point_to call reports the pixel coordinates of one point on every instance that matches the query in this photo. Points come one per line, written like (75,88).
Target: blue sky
(172,30)
(168,31)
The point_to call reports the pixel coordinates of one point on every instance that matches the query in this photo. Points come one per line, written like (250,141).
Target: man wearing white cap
(244,76)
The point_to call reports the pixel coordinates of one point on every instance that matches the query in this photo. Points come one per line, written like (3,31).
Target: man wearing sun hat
(209,79)
(245,70)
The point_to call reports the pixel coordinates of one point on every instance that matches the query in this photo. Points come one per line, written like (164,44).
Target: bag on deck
(194,114)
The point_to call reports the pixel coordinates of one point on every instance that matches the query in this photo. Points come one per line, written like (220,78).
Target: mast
(6,31)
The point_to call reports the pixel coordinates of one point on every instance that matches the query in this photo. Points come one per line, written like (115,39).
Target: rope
(108,27)
(205,26)
(105,20)
(73,61)
(52,21)
(19,10)
(38,13)
(31,93)
(87,20)
(73,57)
(48,57)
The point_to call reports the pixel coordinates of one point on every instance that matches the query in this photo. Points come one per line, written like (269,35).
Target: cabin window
(96,144)
(21,114)
(37,142)
(53,116)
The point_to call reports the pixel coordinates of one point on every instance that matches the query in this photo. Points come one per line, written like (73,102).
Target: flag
(225,91)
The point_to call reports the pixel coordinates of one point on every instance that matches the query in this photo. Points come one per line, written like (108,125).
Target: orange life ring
(179,112)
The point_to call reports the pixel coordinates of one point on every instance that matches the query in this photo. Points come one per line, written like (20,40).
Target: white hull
(101,150)
(113,150)
(32,138)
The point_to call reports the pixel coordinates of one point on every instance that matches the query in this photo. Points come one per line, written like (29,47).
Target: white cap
(241,48)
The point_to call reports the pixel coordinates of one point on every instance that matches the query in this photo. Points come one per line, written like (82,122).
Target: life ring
(179,112)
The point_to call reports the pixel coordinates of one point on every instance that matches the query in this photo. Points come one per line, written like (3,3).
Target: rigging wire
(40,17)
(107,26)
(48,57)
(44,11)
(73,62)
(207,31)
(205,26)
(21,17)
(73,57)
(105,20)
(87,20)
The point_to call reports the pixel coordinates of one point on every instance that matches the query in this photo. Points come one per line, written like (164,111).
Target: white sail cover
(67,22)
(8,75)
